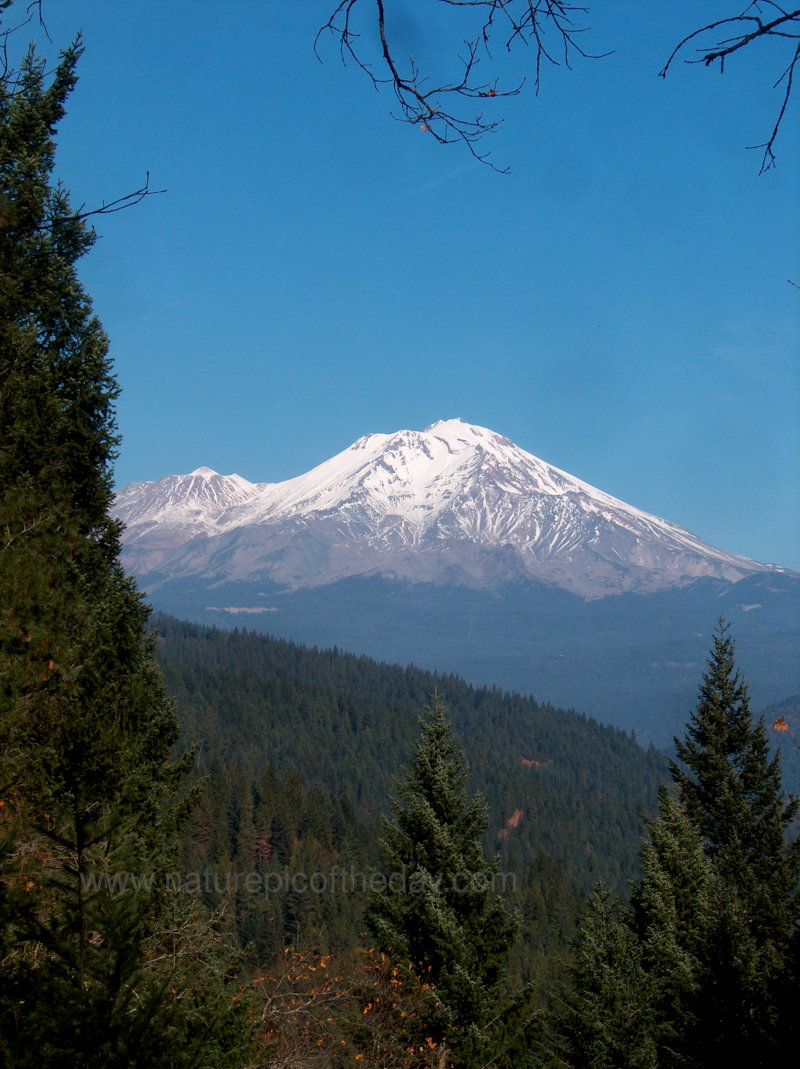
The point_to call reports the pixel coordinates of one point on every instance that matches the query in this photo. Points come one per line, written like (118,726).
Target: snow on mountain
(454,504)
(196,502)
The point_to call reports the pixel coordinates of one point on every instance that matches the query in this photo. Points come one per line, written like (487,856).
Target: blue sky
(617,305)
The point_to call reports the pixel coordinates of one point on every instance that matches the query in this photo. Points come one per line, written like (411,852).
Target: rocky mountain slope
(453,505)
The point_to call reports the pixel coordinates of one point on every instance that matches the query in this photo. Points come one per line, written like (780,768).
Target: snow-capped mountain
(452,549)
(194,502)
(454,505)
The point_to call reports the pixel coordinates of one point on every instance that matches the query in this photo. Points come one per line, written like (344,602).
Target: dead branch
(120,203)
(553,29)
(749,27)
(547,25)
(33,11)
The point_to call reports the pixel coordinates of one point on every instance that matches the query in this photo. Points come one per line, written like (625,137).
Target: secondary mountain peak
(193,503)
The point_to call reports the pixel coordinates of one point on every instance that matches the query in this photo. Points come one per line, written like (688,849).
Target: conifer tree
(604,1018)
(713,934)
(731,788)
(440,912)
(676,907)
(732,792)
(98,966)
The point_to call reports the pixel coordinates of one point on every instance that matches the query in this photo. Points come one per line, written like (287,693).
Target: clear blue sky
(618,305)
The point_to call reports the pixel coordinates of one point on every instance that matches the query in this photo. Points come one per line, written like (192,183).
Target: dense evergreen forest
(217,849)
(302,749)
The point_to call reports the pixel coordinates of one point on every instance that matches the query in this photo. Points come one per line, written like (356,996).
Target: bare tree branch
(553,28)
(121,203)
(33,10)
(546,24)
(750,26)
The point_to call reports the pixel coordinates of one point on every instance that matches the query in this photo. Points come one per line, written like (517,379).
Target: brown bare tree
(551,26)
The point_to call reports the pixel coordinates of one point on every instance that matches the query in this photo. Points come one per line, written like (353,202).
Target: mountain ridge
(455,504)
(456,551)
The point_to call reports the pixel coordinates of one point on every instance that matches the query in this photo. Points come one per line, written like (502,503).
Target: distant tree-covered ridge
(554,780)
(302,748)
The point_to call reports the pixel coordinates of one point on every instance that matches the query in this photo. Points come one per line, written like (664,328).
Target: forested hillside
(302,748)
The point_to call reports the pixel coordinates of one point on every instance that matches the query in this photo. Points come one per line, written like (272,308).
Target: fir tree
(97,965)
(732,792)
(677,909)
(440,913)
(713,934)
(604,1016)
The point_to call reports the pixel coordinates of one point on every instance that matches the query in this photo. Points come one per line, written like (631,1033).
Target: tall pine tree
(97,965)
(732,792)
(440,912)
(713,933)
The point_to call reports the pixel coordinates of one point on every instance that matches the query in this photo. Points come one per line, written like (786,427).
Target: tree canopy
(440,912)
(710,948)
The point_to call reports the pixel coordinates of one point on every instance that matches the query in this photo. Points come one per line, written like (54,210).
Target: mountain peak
(458,428)
(454,504)
(444,424)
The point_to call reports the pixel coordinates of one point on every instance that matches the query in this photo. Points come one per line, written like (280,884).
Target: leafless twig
(33,10)
(749,26)
(548,25)
(120,203)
